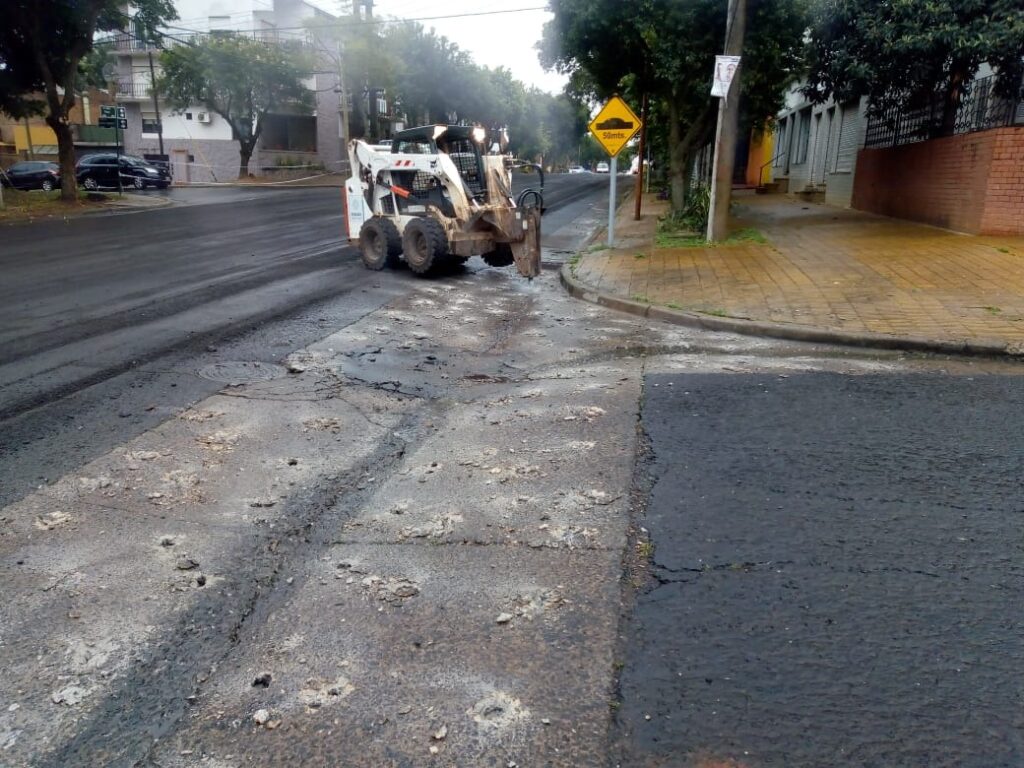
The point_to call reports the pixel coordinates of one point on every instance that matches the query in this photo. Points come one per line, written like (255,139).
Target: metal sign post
(614,172)
(613,127)
(116,118)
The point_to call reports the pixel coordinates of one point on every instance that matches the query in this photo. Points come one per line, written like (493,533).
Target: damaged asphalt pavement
(480,523)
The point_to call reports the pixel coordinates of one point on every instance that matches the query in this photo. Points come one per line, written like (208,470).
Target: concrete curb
(786,331)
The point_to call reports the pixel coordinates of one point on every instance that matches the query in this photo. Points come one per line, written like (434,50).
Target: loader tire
(424,244)
(379,243)
(501,256)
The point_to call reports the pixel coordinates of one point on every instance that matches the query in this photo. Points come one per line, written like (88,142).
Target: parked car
(102,169)
(577,169)
(33,174)
(603,167)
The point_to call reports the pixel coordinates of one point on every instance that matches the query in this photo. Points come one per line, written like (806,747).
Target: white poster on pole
(725,69)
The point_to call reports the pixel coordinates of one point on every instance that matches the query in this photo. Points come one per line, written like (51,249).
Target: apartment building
(198,143)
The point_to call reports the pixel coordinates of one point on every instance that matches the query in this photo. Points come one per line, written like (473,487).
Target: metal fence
(128,88)
(981,109)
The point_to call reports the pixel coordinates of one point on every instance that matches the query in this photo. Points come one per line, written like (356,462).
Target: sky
(496,40)
(502,40)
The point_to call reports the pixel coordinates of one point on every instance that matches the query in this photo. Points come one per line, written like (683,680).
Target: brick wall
(1004,200)
(971,183)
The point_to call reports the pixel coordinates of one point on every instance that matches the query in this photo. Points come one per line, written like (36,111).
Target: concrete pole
(28,138)
(156,107)
(640,170)
(343,106)
(728,126)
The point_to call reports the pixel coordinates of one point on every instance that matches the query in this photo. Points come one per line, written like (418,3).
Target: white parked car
(603,167)
(577,169)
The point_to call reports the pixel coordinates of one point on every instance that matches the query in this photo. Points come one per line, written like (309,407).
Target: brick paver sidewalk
(827,268)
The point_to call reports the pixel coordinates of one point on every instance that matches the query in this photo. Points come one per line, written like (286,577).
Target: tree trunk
(66,156)
(958,76)
(681,148)
(676,159)
(244,156)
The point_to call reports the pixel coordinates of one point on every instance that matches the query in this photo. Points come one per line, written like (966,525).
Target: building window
(803,138)
(150,124)
(188,115)
(289,133)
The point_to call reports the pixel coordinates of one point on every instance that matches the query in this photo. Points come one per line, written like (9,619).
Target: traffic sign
(725,69)
(111,113)
(615,125)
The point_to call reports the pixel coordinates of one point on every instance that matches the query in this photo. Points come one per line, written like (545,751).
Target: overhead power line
(379,21)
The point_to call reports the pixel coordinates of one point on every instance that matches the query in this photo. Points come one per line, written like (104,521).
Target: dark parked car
(101,170)
(34,174)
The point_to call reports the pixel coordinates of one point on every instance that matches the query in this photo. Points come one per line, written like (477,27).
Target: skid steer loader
(439,195)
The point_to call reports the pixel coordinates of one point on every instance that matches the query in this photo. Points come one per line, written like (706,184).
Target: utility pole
(156,105)
(343,105)
(28,138)
(728,126)
(640,170)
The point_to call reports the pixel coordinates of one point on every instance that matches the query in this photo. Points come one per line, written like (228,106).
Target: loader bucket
(526,252)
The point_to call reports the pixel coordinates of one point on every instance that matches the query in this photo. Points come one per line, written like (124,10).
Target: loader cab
(462,144)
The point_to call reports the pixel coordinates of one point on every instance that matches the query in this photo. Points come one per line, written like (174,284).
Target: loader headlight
(479,134)
(439,131)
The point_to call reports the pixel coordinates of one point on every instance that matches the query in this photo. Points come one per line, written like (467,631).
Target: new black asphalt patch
(840,574)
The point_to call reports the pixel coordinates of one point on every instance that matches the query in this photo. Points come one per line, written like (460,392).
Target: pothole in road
(237,372)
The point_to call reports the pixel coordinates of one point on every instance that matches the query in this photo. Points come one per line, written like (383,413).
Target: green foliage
(300,163)
(430,79)
(693,217)
(909,51)
(686,228)
(240,79)
(90,68)
(667,49)
(42,43)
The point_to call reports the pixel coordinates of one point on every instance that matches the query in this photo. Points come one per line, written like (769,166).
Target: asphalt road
(104,320)
(838,573)
(401,522)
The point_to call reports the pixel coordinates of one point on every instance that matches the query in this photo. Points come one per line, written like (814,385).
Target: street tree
(240,79)
(667,49)
(430,79)
(43,43)
(912,52)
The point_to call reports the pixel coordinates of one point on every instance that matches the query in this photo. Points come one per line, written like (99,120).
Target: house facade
(966,174)
(816,147)
(198,143)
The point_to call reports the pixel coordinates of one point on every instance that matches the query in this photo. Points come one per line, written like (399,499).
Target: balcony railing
(127,43)
(128,89)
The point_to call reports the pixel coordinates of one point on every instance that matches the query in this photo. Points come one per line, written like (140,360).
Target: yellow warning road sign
(615,125)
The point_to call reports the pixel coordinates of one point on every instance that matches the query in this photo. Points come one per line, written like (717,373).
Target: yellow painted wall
(760,153)
(42,136)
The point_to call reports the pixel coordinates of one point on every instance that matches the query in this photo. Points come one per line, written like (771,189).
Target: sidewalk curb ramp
(786,331)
